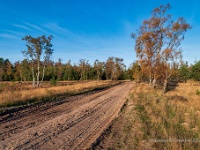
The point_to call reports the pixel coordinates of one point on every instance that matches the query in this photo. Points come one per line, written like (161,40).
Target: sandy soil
(73,123)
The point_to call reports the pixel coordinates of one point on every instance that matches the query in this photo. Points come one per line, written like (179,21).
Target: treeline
(38,66)
(180,73)
(112,69)
(190,72)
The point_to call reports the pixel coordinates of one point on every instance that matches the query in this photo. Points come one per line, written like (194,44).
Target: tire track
(71,125)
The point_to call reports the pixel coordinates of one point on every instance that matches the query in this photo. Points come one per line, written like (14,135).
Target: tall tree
(109,68)
(98,66)
(58,69)
(184,72)
(8,70)
(68,71)
(157,44)
(119,68)
(83,69)
(137,73)
(26,69)
(48,51)
(30,54)
(36,47)
(18,71)
(196,71)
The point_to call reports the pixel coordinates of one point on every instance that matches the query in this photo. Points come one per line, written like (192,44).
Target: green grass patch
(197,92)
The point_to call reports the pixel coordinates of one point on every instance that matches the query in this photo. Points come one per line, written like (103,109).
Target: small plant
(197,92)
(140,108)
(53,81)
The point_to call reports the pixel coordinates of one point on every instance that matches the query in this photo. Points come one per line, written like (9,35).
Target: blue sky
(89,29)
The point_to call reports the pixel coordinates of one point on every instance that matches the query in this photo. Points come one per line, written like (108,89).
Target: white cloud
(63,32)
(22,27)
(10,36)
(33,26)
(14,33)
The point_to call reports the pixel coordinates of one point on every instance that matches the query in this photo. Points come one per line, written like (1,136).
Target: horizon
(88,30)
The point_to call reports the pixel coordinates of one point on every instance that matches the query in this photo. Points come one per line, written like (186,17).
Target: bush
(197,92)
(196,71)
(53,81)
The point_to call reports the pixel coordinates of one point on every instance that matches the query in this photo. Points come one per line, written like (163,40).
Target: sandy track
(74,123)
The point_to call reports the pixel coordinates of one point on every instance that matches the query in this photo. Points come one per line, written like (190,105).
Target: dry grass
(169,119)
(13,92)
(188,91)
(154,121)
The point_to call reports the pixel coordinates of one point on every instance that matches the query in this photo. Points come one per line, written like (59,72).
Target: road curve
(73,124)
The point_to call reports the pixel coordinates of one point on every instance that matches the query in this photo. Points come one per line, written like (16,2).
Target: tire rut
(12,125)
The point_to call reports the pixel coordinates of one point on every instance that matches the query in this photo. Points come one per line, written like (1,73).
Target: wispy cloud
(22,27)
(33,26)
(10,36)
(14,33)
(60,31)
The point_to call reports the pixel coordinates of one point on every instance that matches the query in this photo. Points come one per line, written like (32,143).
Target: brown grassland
(14,93)
(150,120)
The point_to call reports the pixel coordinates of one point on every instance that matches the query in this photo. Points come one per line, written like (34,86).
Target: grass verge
(53,94)
(152,121)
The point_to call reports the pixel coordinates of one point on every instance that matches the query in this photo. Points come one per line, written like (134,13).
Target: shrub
(197,92)
(53,81)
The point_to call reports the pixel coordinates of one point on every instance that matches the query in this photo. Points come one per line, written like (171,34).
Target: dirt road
(74,123)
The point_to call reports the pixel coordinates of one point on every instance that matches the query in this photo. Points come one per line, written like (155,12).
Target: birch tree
(83,69)
(36,48)
(157,44)
(109,68)
(99,68)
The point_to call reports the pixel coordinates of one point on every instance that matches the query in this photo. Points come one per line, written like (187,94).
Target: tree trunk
(98,74)
(150,81)
(154,83)
(33,76)
(164,87)
(43,74)
(38,75)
